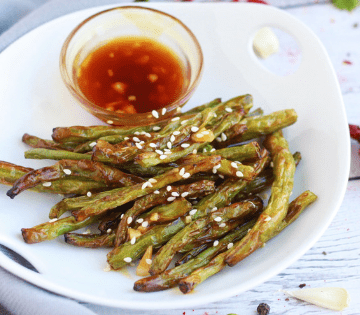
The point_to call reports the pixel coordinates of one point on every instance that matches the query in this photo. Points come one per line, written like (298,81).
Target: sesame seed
(218,139)
(142,142)
(152,180)
(216,243)
(133,240)
(163,111)
(217,166)
(234,165)
(214,114)
(156,128)
(268,218)
(239,174)
(172,138)
(110,122)
(163,157)
(192,212)
(214,170)
(147,135)
(141,220)
(186,175)
(136,139)
(214,209)
(176,133)
(53,220)
(155,114)
(217,219)
(230,245)
(126,138)
(213,150)
(184,194)
(129,220)
(138,145)
(182,172)
(148,261)
(136,133)
(168,188)
(221,176)
(222,224)
(108,231)
(175,119)
(144,185)
(169,145)
(88,194)
(149,184)
(171,198)
(175,194)
(199,135)
(194,129)
(204,151)
(156,192)
(159,152)
(271,164)
(223,137)
(122,216)
(145,224)
(228,109)
(167,150)
(184,122)
(194,151)
(185,145)
(206,132)
(153,145)
(92,144)
(127,259)
(47,184)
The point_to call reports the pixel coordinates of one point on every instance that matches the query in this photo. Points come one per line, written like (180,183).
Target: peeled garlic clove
(265,43)
(332,298)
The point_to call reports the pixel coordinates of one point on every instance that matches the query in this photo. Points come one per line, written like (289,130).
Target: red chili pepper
(257,1)
(355,132)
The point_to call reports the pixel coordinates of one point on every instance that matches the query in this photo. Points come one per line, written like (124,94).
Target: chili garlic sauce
(132,75)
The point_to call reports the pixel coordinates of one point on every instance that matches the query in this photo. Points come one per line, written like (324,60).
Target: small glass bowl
(127,21)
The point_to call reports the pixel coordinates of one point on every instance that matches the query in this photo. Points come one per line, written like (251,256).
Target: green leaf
(346,4)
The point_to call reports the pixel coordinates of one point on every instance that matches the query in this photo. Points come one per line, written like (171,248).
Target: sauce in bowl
(132,75)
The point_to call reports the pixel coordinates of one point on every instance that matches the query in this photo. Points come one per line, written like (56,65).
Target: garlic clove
(265,43)
(329,297)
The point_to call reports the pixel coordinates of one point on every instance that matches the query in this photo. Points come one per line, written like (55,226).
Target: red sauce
(132,75)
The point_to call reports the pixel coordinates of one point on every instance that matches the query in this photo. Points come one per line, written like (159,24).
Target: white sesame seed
(199,135)
(141,220)
(53,220)
(138,145)
(223,137)
(122,216)
(214,209)
(185,145)
(163,157)
(169,145)
(136,139)
(153,145)
(213,150)
(205,132)
(218,139)
(167,150)
(239,174)
(186,175)
(193,211)
(168,188)
(147,135)
(92,144)
(184,194)
(88,194)
(133,240)
(144,185)
(214,170)
(142,142)
(222,224)
(271,164)
(156,128)
(136,133)
(129,220)
(214,114)
(127,259)
(194,129)
(184,122)
(217,166)
(149,184)
(148,261)
(194,151)
(230,245)
(221,176)
(268,218)
(204,151)
(216,243)
(172,138)
(175,194)
(110,122)
(182,172)
(234,165)
(176,133)
(155,114)
(126,138)
(159,152)
(152,180)
(228,109)
(171,198)
(145,224)
(163,111)
(156,192)
(108,231)
(175,119)
(217,219)
(47,184)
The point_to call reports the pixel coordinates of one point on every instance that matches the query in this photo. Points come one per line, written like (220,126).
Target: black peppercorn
(263,309)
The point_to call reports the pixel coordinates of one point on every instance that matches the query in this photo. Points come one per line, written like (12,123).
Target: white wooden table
(335,258)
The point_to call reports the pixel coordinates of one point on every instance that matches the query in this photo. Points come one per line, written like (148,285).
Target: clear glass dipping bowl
(126,21)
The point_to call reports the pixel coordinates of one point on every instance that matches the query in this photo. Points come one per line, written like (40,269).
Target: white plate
(33,99)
